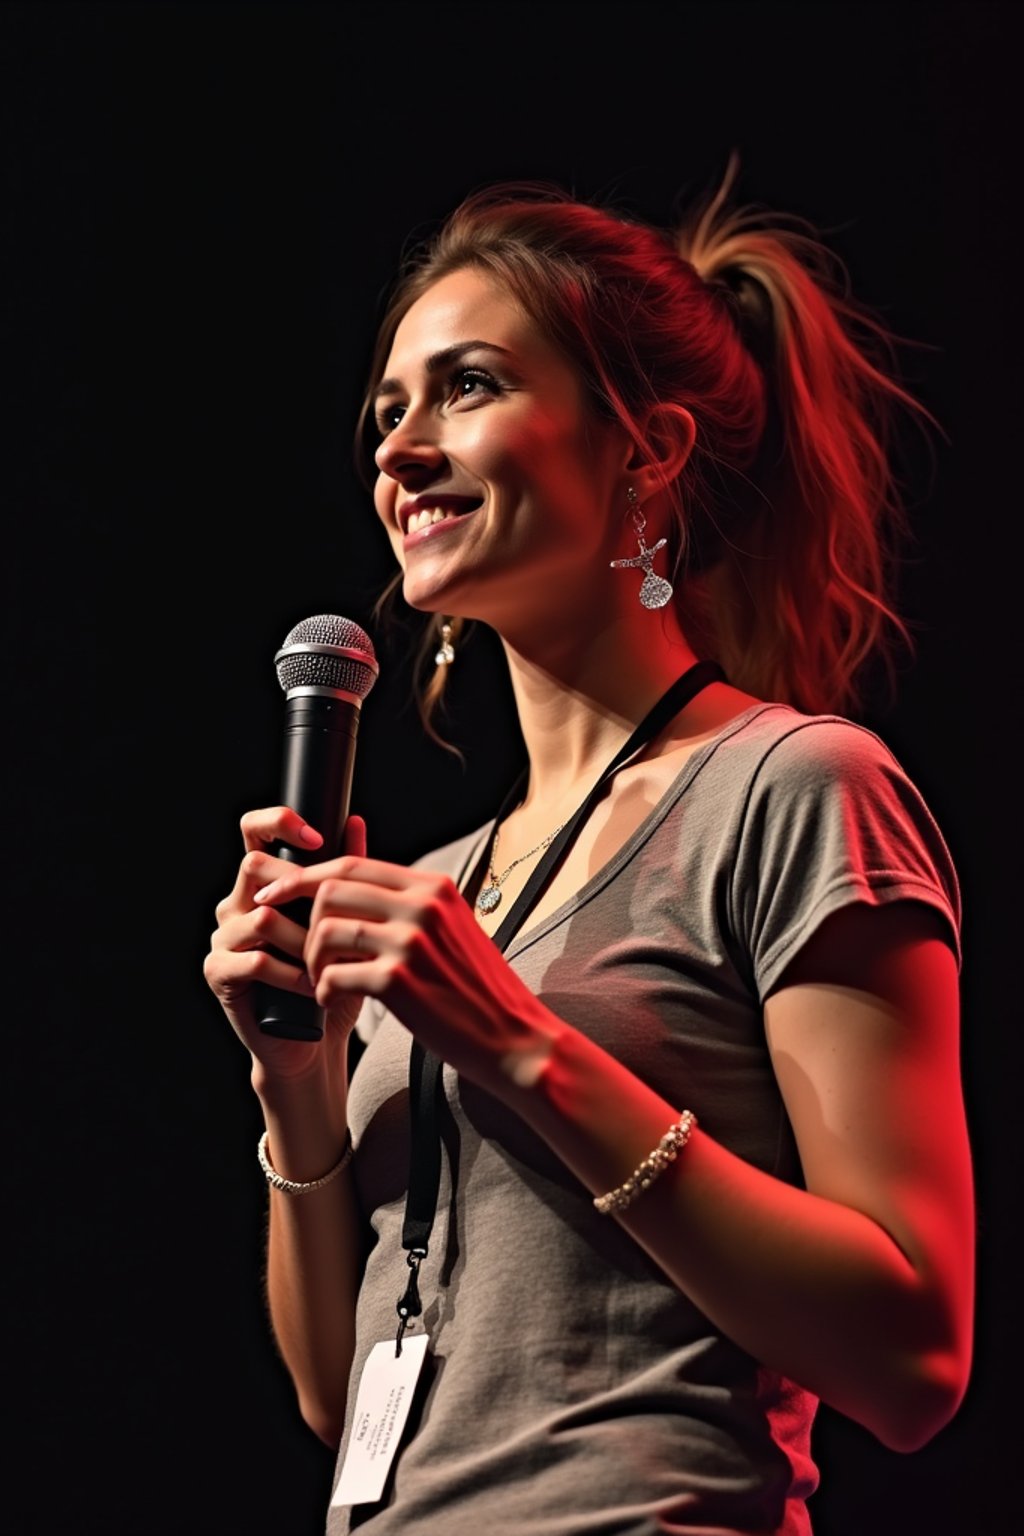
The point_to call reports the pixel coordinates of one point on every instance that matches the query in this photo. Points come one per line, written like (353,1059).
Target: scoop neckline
(526,936)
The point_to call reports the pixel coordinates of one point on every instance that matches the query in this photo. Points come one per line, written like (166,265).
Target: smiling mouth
(433,516)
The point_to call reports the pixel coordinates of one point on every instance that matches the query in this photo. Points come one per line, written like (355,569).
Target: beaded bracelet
(668,1148)
(292,1186)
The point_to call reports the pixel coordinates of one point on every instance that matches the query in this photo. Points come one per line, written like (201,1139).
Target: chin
(427,599)
(433,595)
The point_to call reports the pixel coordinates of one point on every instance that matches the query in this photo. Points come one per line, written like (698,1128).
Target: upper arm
(863,1030)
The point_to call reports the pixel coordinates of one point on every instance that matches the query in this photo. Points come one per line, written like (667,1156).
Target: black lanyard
(424,1067)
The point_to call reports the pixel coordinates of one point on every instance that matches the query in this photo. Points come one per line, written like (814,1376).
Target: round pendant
(655,591)
(489,898)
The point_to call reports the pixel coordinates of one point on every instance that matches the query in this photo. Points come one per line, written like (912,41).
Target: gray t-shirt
(570,1389)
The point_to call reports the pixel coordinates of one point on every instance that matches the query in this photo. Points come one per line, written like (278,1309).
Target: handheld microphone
(326,666)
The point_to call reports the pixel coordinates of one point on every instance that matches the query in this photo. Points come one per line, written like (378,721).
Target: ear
(670,433)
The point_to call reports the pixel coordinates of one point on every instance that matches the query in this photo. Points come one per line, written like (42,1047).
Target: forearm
(809,1287)
(314,1250)
(859,1287)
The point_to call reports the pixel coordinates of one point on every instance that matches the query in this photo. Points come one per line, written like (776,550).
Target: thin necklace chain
(490,896)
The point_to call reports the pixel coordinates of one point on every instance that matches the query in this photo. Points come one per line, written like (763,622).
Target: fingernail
(310,836)
(266,891)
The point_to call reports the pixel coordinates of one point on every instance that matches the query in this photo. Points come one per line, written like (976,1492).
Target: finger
(355,837)
(355,978)
(227,970)
(256,870)
(277,823)
(337,940)
(349,898)
(258,928)
(370,873)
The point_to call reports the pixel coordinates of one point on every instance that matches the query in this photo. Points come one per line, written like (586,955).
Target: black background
(202,206)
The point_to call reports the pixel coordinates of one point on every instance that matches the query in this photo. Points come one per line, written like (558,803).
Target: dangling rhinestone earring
(446,651)
(655,591)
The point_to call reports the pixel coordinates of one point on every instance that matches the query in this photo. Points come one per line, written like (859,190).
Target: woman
(704,1151)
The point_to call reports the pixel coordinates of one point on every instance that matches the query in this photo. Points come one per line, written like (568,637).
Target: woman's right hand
(240,958)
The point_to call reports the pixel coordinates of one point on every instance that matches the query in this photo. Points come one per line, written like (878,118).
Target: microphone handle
(319,757)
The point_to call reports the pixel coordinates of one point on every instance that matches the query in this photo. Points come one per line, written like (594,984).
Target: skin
(860,1287)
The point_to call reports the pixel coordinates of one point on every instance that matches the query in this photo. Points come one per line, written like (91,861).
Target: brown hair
(787,510)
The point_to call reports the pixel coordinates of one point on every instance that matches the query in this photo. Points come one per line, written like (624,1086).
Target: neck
(577,704)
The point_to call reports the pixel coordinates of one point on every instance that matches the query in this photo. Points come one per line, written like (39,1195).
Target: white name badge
(382,1406)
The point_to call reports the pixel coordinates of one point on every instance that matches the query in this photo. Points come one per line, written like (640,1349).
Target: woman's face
(498,488)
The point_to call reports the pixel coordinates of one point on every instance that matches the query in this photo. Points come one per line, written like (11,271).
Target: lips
(427,513)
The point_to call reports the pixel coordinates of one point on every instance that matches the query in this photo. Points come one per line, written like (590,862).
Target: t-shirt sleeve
(832,819)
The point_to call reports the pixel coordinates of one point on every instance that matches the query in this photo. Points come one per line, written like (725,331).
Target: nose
(410,454)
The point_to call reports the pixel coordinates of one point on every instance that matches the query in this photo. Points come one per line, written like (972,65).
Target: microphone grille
(327,651)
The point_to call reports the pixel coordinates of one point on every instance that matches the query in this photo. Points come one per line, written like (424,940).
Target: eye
(472,384)
(387,417)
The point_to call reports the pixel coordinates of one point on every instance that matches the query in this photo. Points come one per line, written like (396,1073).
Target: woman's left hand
(409,938)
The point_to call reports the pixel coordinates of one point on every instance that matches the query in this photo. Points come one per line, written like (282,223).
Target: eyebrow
(438,361)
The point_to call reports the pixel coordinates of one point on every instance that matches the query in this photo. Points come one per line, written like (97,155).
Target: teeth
(427,517)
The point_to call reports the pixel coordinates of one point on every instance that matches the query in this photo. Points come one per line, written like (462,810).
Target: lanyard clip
(409,1304)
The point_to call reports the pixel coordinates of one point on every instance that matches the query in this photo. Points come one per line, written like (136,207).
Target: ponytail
(801,597)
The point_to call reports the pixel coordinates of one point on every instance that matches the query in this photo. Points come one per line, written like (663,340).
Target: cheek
(543,451)
(384,499)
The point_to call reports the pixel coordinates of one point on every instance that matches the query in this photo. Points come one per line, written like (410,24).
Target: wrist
(591,1109)
(307,1131)
(317,1069)
(523,1069)
(301,1186)
(315,1091)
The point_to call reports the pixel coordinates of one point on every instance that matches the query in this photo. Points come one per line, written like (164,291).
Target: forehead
(467,305)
